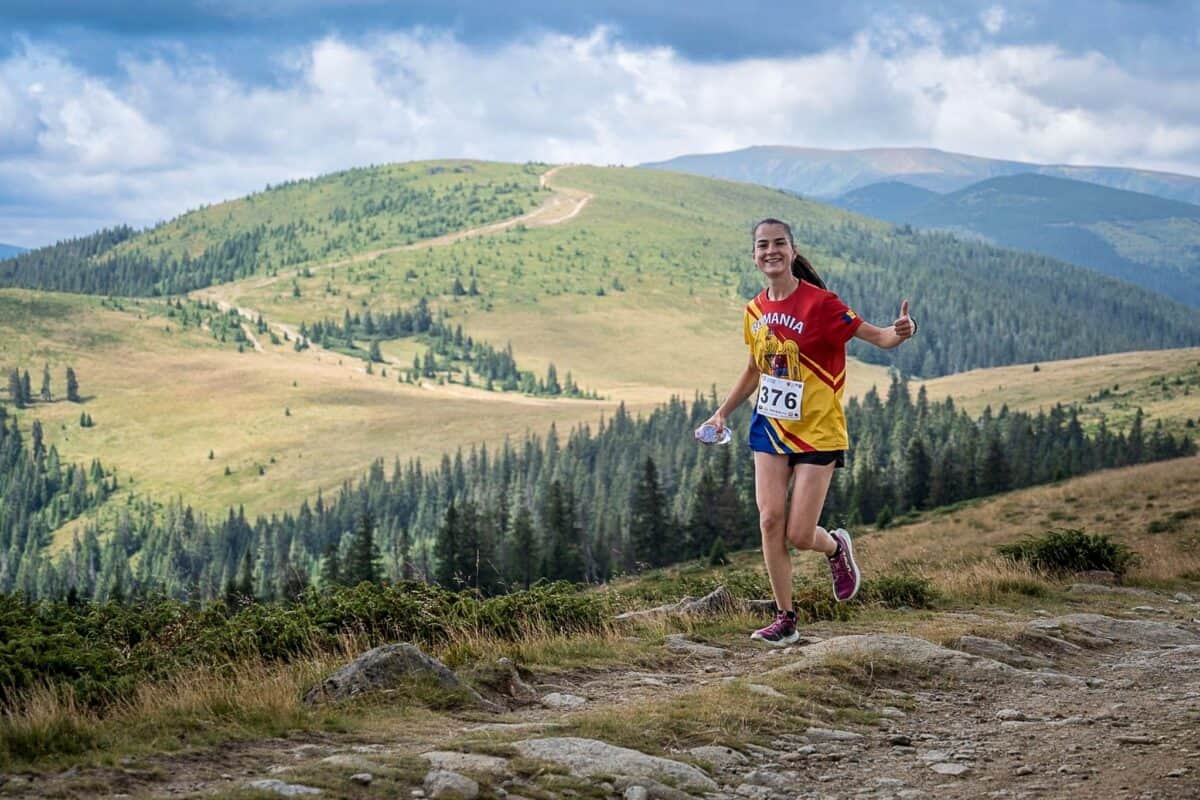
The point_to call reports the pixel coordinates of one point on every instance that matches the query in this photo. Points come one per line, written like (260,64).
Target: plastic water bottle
(708,434)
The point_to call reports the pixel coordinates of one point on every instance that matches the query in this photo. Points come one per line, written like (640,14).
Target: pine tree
(647,518)
(331,569)
(563,555)
(362,561)
(245,584)
(15,393)
(26,389)
(917,476)
(523,547)
(447,551)
(72,386)
(46,396)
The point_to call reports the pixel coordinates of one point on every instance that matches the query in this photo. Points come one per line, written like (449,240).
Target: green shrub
(1071,550)
(895,591)
(103,651)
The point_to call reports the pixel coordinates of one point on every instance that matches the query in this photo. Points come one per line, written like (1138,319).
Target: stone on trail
(453,761)
(588,757)
(922,655)
(999,651)
(831,735)
(719,757)
(283,789)
(949,768)
(388,667)
(679,643)
(443,785)
(1097,629)
(718,601)
(562,700)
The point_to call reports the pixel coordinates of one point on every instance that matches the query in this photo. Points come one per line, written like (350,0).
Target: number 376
(770,396)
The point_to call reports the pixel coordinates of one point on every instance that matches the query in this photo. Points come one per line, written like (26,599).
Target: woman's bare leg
(808,498)
(771,477)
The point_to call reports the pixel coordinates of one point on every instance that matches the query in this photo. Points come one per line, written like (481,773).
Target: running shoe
(779,633)
(846,576)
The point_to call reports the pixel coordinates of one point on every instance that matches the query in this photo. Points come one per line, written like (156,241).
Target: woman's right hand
(717,419)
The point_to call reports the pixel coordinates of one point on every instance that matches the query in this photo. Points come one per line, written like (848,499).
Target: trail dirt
(1095,705)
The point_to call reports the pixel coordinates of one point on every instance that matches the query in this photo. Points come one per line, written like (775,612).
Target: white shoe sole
(784,642)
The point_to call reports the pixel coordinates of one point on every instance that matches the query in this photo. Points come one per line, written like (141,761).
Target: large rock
(718,601)
(586,758)
(284,789)
(388,667)
(1094,630)
(477,763)
(922,655)
(999,651)
(443,785)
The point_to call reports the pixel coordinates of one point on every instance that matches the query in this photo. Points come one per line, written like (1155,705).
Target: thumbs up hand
(904,325)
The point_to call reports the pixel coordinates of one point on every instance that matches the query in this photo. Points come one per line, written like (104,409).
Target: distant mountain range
(1086,215)
(1137,237)
(10,250)
(820,173)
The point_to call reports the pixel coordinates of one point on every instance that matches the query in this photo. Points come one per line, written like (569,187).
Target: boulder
(586,758)
(718,601)
(284,789)
(476,763)
(922,655)
(443,785)
(388,667)
(991,648)
(1096,630)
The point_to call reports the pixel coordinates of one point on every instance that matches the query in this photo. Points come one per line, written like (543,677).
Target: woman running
(797,332)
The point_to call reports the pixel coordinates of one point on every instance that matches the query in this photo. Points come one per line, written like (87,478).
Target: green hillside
(1146,240)
(299,222)
(661,258)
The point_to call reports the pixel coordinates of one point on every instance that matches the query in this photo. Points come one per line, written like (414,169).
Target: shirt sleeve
(839,322)
(746,326)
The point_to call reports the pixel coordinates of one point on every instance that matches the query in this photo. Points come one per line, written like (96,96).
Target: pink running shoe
(846,576)
(779,633)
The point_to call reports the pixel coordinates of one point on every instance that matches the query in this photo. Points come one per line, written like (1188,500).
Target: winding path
(565,204)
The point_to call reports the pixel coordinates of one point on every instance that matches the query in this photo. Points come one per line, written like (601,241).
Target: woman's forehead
(770,230)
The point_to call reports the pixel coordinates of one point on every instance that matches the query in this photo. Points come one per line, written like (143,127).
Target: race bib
(779,397)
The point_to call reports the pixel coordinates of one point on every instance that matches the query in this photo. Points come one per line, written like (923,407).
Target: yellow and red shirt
(802,338)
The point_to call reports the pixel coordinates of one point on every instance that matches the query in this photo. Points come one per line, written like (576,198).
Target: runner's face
(773,253)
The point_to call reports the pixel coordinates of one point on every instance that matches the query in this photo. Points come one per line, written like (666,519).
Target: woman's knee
(771,521)
(803,540)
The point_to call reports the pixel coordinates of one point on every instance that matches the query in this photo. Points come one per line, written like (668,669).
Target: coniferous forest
(632,493)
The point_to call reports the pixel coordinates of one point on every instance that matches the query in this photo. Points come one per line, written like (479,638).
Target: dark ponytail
(802,268)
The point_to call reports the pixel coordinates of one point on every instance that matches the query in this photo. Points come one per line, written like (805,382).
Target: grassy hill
(1146,240)
(818,172)
(633,283)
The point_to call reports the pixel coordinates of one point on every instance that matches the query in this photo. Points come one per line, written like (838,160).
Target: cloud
(176,128)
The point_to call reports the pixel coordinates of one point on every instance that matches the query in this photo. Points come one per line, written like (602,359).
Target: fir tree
(362,560)
(72,386)
(648,528)
(46,396)
(331,570)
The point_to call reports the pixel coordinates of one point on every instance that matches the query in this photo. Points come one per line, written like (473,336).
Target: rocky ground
(1075,705)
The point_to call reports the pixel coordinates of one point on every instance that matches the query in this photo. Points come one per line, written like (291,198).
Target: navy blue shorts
(820,458)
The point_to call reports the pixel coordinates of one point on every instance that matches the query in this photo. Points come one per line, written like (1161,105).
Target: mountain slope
(827,173)
(1146,240)
(10,250)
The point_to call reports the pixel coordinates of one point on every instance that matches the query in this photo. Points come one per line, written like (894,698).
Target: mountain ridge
(821,172)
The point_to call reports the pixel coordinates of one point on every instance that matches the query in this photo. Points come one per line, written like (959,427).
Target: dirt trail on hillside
(1089,713)
(565,204)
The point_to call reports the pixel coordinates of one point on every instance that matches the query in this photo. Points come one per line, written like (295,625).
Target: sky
(133,112)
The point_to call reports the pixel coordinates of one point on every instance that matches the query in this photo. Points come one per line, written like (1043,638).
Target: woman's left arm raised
(893,335)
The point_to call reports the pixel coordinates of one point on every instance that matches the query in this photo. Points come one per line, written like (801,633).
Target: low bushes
(1071,550)
(104,651)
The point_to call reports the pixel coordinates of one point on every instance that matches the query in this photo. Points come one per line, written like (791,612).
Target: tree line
(491,368)
(631,492)
(20,387)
